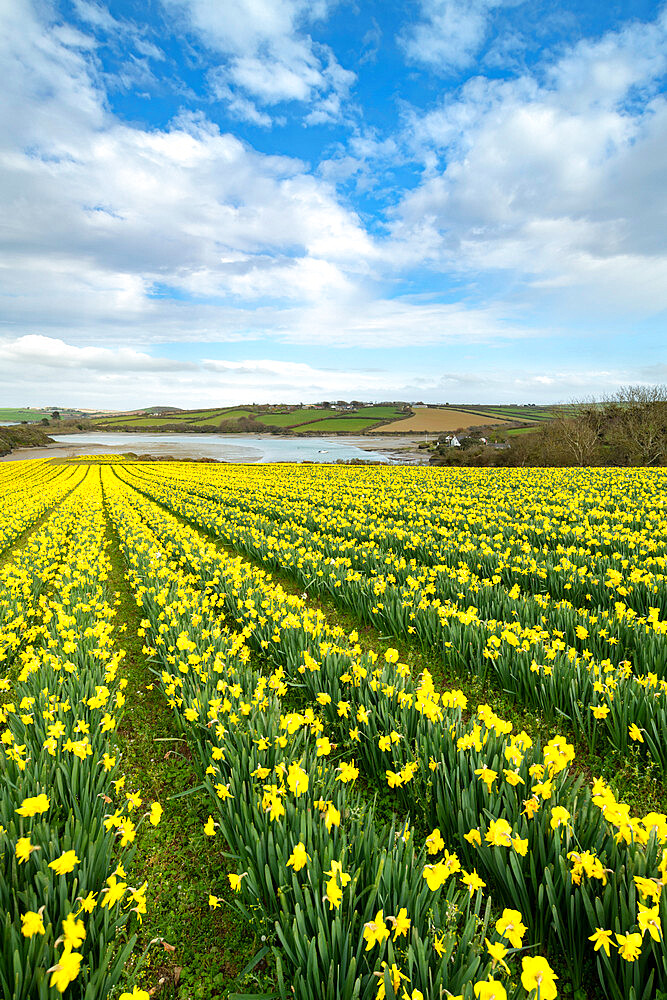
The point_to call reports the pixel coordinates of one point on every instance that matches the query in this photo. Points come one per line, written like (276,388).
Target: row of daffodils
(67,823)
(501,855)
(27,490)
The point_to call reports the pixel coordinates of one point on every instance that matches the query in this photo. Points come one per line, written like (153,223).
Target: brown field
(441,421)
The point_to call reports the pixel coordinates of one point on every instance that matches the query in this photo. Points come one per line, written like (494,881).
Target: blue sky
(291,200)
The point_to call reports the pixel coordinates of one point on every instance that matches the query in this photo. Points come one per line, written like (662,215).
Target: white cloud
(268,57)
(97,214)
(294,381)
(50,370)
(449,34)
(559,179)
(356,321)
(365,157)
(45,371)
(271,84)
(102,219)
(239,107)
(654,374)
(53,354)
(96,15)
(241,26)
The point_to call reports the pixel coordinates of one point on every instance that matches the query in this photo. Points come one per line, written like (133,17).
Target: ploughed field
(318,638)
(444,420)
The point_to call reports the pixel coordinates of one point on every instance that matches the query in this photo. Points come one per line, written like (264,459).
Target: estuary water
(229,448)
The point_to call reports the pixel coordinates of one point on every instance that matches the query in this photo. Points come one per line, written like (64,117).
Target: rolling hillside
(277,419)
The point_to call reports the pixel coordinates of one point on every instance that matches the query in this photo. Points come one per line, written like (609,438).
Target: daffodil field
(62,889)
(389,838)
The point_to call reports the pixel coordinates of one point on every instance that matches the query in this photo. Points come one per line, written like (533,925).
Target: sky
(211,202)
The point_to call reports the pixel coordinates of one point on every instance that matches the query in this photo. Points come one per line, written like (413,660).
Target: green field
(139,422)
(193,415)
(532,414)
(515,431)
(297,420)
(7,413)
(305,416)
(190,417)
(111,421)
(223,415)
(382,412)
(521,413)
(349,425)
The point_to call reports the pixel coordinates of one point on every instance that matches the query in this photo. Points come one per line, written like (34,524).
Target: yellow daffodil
(537,974)
(334,894)
(24,849)
(32,923)
(65,863)
(629,946)
(497,951)
(492,989)
(66,970)
(375,931)
(401,922)
(511,926)
(434,842)
(74,931)
(298,859)
(348,772)
(114,891)
(601,939)
(648,919)
(34,806)
(331,817)
(235,880)
(472,881)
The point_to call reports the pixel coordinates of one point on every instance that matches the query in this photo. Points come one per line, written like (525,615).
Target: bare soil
(440,421)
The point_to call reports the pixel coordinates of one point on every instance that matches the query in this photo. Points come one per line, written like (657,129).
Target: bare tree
(637,416)
(579,438)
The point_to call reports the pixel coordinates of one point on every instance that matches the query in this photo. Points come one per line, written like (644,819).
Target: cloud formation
(98,213)
(267,56)
(214,173)
(558,177)
(38,352)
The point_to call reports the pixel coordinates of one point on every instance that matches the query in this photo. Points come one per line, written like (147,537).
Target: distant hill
(327,418)
(335,417)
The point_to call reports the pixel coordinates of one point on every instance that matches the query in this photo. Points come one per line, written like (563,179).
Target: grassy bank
(205,950)
(12,438)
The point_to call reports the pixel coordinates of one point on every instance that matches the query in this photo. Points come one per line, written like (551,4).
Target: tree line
(627,428)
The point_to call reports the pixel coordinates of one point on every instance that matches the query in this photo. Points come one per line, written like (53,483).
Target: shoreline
(399,449)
